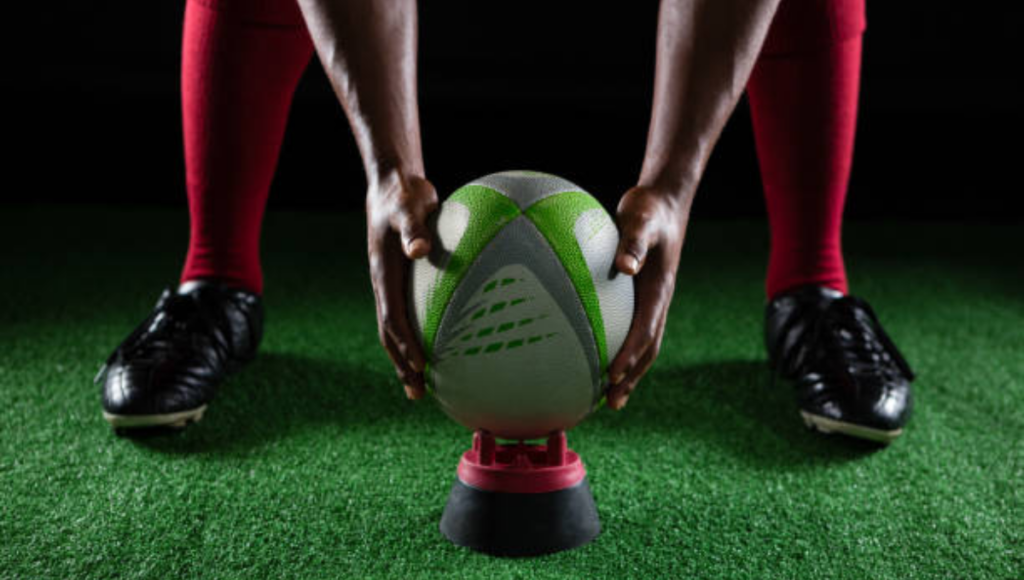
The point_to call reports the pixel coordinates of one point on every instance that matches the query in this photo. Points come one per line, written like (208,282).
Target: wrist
(674,180)
(387,170)
(676,195)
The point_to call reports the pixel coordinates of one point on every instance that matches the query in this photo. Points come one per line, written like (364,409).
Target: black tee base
(520,524)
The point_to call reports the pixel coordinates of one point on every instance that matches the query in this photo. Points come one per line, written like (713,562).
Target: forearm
(368,49)
(706,51)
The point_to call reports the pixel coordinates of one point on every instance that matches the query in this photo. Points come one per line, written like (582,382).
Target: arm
(368,49)
(706,51)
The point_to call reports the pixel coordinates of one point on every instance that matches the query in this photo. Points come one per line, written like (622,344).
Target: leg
(849,376)
(803,99)
(241,62)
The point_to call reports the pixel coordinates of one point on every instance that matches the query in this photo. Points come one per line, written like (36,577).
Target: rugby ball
(519,306)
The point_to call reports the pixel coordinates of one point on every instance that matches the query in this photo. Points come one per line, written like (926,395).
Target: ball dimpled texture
(519,306)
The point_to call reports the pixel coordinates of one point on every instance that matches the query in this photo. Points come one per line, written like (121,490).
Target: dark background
(94,116)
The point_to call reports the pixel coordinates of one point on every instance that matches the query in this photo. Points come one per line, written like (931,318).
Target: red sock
(803,99)
(241,61)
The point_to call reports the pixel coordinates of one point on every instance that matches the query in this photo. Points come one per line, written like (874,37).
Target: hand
(652,225)
(397,207)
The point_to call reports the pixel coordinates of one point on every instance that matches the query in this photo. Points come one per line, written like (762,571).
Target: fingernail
(417,246)
(411,393)
(620,404)
(631,264)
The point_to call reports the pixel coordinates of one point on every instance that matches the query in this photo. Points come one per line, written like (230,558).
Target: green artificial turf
(311,464)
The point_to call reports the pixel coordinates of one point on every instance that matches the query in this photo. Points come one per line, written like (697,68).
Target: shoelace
(174,324)
(848,340)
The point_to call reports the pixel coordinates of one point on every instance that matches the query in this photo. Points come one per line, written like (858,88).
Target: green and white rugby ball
(519,306)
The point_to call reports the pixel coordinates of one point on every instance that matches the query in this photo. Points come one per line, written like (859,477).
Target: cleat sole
(178,420)
(828,426)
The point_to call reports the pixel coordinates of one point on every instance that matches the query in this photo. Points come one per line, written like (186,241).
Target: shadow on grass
(731,405)
(280,395)
(734,406)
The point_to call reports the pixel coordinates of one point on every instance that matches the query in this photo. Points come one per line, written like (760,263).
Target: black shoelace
(175,325)
(848,341)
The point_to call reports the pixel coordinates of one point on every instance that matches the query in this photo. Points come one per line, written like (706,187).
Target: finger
(416,240)
(618,394)
(412,381)
(416,202)
(654,288)
(637,237)
(392,308)
(653,291)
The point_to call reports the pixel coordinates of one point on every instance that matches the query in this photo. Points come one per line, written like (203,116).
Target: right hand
(397,207)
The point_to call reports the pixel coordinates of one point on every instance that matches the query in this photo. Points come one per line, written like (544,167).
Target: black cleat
(168,369)
(849,376)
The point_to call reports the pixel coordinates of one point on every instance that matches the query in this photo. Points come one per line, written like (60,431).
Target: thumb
(418,200)
(637,238)
(415,237)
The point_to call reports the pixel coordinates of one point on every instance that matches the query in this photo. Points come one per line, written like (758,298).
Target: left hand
(652,224)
